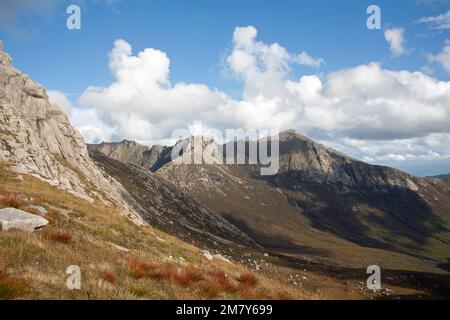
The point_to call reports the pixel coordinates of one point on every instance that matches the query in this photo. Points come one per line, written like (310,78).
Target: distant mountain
(321,203)
(324,205)
(132,152)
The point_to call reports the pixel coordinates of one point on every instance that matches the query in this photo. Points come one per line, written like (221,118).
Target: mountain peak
(293,134)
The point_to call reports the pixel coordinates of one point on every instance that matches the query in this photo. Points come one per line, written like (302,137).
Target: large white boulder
(14,218)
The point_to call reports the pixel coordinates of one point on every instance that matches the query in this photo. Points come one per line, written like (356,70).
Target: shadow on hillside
(396,219)
(274,242)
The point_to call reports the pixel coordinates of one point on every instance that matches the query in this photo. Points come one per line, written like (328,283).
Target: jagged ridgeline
(321,204)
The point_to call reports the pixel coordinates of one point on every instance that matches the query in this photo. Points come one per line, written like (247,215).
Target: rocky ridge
(37,138)
(132,152)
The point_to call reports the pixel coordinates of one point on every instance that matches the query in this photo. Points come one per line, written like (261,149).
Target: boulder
(207,255)
(14,218)
(221,257)
(42,211)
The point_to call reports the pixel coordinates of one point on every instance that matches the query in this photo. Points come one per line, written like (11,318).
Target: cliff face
(132,152)
(308,160)
(37,138)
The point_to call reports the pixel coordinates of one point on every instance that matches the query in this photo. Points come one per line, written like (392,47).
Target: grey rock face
(317,163)
(125,151)
(132,152)
(37,138)
(11,218)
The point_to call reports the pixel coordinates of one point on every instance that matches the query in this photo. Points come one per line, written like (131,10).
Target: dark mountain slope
(170,209)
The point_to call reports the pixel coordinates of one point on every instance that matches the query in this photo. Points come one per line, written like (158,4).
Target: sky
(141,69)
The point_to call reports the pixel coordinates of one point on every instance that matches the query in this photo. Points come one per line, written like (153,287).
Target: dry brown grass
(188,276)
(209,289)
(142,269)
(253,293)
(248,279)
(138,268)
(161,272)
(280,296)
(137,274)
(11,200)
(109,275)
(11,287)
(222,281)
(58,235)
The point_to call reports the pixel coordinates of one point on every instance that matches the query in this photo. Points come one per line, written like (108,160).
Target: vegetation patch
(11,200)
(57,235)
(12,287)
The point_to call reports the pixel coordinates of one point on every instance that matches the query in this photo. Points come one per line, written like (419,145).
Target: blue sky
(197,33)
(197,37)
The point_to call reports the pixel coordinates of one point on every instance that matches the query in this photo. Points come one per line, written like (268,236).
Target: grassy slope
(157,266)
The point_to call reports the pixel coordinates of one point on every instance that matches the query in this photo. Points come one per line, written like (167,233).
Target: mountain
(132,152)
(37,138)
(168,208)
(113,234)
(324,205)
(310,231)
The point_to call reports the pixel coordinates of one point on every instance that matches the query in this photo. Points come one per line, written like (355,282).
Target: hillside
(329,207)
(118,258)
(325,212)
(95,223)
(170,209)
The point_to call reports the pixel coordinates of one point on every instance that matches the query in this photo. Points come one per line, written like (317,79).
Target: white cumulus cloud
(395,38)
